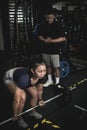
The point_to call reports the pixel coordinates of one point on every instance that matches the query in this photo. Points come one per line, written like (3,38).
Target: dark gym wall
(40,6)
(5,24)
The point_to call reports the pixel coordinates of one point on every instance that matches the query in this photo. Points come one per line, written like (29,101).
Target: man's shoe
(21,123)
(48,83)
(35,115)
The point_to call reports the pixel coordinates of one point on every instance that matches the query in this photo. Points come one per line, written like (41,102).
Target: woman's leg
(19,98)
(34,96)
(40,91)
(33,102)
(18,101)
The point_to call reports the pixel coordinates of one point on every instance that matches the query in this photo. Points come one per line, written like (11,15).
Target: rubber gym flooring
(58,113)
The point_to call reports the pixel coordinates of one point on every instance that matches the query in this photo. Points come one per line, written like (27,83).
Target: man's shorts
(53,60)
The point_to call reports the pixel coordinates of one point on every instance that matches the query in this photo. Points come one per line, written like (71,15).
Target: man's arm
(50,40)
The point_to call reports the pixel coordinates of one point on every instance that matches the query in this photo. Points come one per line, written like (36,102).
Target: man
(52,37)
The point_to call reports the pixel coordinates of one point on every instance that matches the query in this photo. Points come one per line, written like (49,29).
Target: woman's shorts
(8,77)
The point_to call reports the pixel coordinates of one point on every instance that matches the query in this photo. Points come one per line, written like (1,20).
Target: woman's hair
(36,61)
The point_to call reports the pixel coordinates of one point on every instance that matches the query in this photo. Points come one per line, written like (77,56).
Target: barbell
(26,111)
(63,91)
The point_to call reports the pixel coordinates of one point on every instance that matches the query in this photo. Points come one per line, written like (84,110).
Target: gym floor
(58,113)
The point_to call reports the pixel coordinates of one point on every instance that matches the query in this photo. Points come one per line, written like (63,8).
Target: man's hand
(48,40)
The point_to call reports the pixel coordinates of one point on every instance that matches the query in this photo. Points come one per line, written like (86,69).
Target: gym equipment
(64,60)
(64,69)
(63,91)
(32,108)
(82,109)
(66,97)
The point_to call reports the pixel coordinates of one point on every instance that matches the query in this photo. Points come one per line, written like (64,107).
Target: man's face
(50,18)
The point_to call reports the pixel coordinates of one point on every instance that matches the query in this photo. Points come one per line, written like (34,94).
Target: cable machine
(21,28)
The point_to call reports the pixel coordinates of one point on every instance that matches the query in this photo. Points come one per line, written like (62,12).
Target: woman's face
(40,71)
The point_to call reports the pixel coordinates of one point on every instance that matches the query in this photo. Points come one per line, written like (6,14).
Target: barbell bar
(81,108)
(28,110)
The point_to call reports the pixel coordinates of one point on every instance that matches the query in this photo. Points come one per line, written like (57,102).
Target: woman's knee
(23,97)
(20,97)
(35,94)
(40,88)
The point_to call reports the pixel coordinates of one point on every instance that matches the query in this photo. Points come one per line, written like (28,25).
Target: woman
(20,80)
